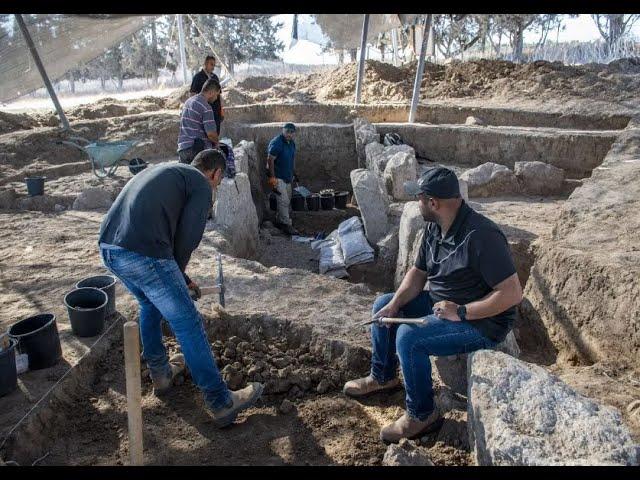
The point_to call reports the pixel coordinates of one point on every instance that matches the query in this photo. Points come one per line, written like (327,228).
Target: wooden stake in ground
(134,394)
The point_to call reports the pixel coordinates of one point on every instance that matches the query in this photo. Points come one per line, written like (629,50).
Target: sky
(581,28)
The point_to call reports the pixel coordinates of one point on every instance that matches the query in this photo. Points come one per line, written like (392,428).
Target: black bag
(392,139)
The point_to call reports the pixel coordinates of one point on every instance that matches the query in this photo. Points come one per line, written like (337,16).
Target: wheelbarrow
(105,157)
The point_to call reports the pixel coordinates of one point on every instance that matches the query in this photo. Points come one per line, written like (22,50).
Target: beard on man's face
(427,213)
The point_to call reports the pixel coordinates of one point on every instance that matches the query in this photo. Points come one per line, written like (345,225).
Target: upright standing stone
(373,203)
(401,167)
(236,213)
(409,238)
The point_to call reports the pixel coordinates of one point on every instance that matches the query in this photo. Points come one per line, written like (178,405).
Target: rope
(56,384)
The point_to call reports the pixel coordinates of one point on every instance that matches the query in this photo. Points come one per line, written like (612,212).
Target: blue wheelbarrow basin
(106,154)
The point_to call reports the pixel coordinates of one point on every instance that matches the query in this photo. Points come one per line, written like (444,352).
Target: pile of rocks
(291,371)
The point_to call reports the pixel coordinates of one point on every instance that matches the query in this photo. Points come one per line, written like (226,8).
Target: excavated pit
(302,418)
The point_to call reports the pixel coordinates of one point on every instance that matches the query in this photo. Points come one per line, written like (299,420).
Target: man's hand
(273,182)
(446,310)
(194,291)
(389,310)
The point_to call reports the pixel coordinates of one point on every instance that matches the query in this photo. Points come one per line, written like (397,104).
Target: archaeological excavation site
(548,152)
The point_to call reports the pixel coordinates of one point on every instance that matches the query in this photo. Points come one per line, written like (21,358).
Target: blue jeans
(413,344)
(161,291)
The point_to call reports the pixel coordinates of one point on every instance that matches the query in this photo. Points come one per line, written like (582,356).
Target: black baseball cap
(438,182)
(289,126)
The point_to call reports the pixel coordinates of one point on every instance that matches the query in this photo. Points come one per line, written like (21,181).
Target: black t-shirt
(198,81)
(465,265)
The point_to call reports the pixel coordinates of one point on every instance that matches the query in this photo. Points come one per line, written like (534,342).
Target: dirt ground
(45,250)
(323,429)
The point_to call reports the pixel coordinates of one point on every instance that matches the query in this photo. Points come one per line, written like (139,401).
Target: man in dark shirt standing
(198,81)
(470,303)
(146,240)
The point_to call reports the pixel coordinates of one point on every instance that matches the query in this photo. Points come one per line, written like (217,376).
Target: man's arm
(209,124)
(412,284)
(492,259)
(270,165)
(191,226)
(505,295)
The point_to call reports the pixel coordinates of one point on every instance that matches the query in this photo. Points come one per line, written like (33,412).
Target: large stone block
(365,134)
(409,238)
(373,203)
(452,369)
(539,178)
(490,180)
(401,167)
(377,155)
(519,414)
(235,212)
(256,172)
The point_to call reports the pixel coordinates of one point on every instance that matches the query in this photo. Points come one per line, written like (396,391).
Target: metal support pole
(183,55)
(394,43)
(43,72)
(363,51)
(420,71)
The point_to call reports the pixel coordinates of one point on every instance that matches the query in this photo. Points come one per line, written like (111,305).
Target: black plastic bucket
(86,307)
(38,338)
(327,201)
(273,202)
(106,283)
(313,202)
(35,186)
(297,202)
(341,200)
(8,374)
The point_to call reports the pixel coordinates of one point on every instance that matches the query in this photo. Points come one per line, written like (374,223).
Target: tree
(237,40)
(515,25)
(613,28)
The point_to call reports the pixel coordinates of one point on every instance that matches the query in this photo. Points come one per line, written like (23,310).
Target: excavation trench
(302,418)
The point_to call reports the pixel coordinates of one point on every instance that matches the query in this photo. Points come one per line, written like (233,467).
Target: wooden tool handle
(134,394)
(209,290)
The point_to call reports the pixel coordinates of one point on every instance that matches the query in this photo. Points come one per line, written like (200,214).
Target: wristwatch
(462,312)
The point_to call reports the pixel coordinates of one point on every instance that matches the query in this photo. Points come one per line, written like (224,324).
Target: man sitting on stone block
(470,303)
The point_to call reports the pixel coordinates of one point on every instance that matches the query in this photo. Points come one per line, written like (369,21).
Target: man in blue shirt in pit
(280,170)
(469,304)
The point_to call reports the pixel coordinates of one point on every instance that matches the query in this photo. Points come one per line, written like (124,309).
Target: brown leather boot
(242,399)
(364,387)
(410,428)
(162,385)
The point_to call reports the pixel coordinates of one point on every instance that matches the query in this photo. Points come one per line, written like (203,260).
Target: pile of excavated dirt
(616,81)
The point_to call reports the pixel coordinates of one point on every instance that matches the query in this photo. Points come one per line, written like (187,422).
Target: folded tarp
(355,248)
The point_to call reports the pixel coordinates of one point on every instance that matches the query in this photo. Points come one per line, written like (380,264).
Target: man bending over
(146,240)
